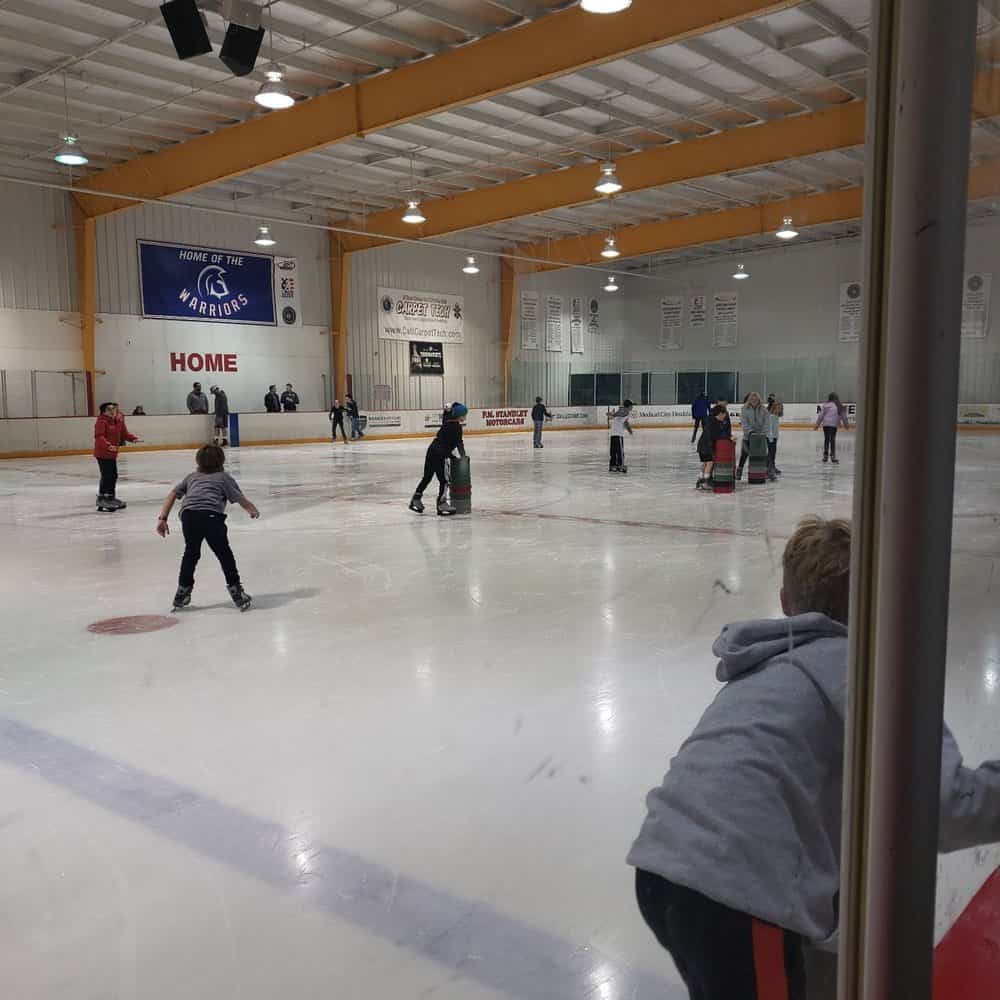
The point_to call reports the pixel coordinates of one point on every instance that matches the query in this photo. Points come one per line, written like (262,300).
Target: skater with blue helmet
(447,441)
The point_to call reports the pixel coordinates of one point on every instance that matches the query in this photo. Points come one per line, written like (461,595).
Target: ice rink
(415,767)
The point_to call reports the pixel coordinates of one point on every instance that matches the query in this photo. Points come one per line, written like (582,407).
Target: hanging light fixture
(264,237)
(471,267)
(605,6)
(609,182)
(274,94)
(741,273)
(413,215)
(610,248)
(611,286)
(787,230)
(69,153)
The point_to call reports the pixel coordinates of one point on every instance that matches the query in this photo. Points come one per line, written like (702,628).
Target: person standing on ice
(110,433)
(700,412)
(205,494)
(620,423)
(738,860)
(755,420)
(221,415)
(832,415)
(539,414)
(447,441)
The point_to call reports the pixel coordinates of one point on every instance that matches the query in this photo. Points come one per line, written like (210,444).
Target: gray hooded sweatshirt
(755,420)
(749,812)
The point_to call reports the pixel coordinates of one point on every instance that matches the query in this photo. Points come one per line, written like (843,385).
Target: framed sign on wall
(426,358)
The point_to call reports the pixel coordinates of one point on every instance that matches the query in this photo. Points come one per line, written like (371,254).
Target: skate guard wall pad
(33,438)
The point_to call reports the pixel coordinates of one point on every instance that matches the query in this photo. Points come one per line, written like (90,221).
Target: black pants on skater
(772,455)
(434,466)
(829,442)
(206,526)
(109,476)
(721,954)
(340,424)
(701,422)
(744,454)
(617,459)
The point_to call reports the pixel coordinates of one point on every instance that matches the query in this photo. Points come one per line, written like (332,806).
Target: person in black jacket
(448,440)
(272,401)
(714,428)
(539,414)
(355,414)
(221,421)
(290,399)
(337,420)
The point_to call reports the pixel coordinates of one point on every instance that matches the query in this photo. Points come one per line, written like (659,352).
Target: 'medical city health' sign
(206,285)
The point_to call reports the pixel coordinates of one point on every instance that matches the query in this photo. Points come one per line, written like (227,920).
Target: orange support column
(508,283)
(86,258)
(340,271)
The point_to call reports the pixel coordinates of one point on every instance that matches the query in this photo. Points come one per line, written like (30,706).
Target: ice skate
(241,599)
(624,470)
(444,507)
(107,504)
(416,504)
(182,598)
(119,504)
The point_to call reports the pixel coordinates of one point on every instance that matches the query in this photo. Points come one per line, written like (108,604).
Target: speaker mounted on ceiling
(187,29)
(240,48)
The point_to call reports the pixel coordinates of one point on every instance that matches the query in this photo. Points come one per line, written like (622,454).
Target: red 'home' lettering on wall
(181,362)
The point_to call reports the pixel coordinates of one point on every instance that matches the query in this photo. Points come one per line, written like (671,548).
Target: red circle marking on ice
(133,625)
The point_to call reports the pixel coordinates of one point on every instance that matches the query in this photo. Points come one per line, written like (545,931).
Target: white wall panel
(472,369)
(38,250)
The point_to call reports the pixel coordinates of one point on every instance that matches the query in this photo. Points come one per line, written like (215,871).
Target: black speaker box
(187,29)
(240,48)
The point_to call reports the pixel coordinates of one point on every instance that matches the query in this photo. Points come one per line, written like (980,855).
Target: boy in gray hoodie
(738,860)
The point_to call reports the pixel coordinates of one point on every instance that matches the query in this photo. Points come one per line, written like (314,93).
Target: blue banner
(204,284)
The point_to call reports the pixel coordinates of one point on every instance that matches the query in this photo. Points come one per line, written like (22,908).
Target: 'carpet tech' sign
(206,285)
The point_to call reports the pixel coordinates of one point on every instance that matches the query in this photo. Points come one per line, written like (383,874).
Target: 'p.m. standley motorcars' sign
(204,284)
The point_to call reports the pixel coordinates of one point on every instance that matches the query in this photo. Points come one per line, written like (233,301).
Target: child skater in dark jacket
(447,441)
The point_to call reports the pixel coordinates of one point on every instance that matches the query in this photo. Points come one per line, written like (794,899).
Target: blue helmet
(458,410)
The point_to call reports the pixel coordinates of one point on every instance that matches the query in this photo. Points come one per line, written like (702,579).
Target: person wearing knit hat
(447,441)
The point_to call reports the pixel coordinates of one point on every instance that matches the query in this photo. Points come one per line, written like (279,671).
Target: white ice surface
(415,768)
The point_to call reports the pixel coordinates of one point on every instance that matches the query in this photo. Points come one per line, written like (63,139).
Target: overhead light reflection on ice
(603,979)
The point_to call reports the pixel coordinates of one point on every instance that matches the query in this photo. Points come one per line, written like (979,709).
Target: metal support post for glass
(34,394)
(920,94)
(3,393)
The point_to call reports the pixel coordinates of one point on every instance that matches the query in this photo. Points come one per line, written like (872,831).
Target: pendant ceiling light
(741,273)
(610,248)
(274,94)
(69,153)
(413,215)
(471,267)
(605,6)
(611,286)
(609,182)
(787,230)
(264,237)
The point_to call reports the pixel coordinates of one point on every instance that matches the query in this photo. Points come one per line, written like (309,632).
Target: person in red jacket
(110,433)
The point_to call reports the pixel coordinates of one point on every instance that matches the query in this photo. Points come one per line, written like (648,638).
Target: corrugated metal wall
(547,373)
(117,257)
(472,369)
(38,251)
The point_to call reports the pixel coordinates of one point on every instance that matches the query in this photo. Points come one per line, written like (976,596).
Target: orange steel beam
(840,127)
(695,230)
(340,271)
(509,60)
(753,146)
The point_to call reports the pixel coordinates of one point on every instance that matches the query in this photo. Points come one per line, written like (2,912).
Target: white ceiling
(129,94)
